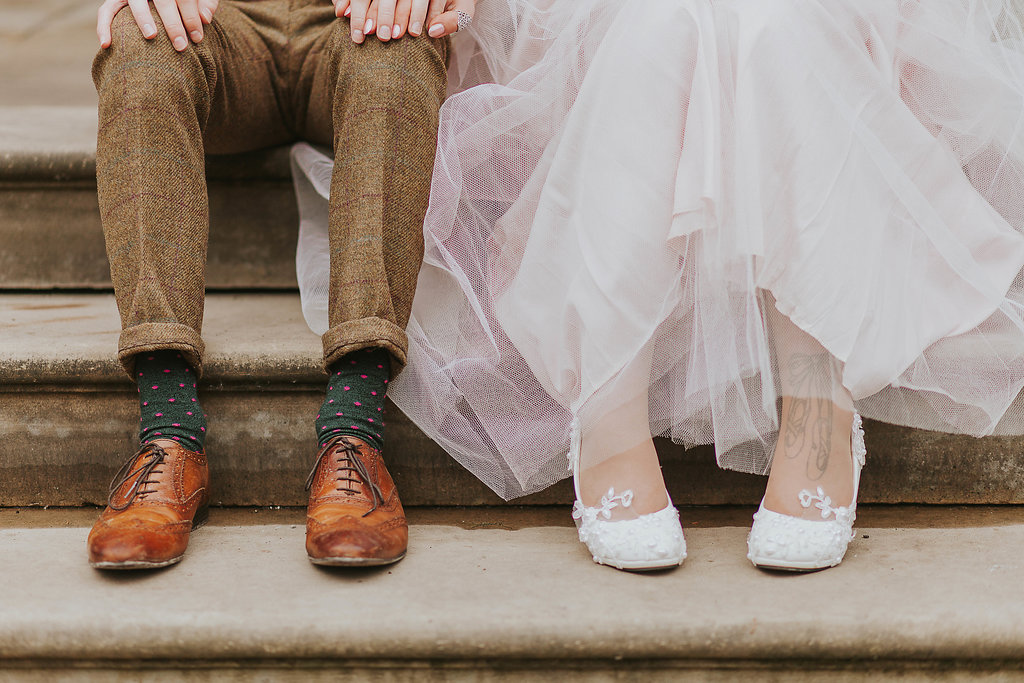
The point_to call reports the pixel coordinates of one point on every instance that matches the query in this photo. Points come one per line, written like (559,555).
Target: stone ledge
(58,144)
(901,600)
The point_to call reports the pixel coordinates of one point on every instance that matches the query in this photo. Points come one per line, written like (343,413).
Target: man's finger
(418,16)
(105,19)
(168,11)
(385,18)
(189,10)
(358,23)
(144,18)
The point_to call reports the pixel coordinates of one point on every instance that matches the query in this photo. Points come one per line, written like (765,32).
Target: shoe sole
(354,561)
(201,518)
(794,567)
(643,566)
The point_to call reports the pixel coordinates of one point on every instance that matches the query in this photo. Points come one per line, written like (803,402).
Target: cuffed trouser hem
(366,333)
(160,337)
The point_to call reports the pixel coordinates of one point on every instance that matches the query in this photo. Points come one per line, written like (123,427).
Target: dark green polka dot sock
(354,404)
(168,404)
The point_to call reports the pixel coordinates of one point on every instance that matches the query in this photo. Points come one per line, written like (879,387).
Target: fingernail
(180,43)
(384,33)
(149,30)
(416,28)
(357,36)
(206,15)
(348,11)
(435,30)
(395,31)
(368,27)
(196,36)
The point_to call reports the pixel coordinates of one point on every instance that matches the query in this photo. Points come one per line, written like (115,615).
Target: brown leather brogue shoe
(355,517)
(156,499)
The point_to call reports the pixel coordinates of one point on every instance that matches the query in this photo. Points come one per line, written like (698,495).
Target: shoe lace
(350,471)
(154,456)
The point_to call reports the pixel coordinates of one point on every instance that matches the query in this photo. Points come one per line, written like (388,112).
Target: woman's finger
(418,16)
(447,23)
(359,24)
(385,18)
(190,17)
(144,18)
(341,8)
(402,9)
(105,19)
(434,10)
(168,11)
(206,10)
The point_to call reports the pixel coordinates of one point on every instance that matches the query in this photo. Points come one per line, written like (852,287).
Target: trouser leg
(156,108)
(377,103)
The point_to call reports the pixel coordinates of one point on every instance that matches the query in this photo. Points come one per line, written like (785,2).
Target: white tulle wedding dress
(628,188)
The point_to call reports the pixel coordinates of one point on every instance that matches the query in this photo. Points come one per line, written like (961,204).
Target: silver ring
(464,21)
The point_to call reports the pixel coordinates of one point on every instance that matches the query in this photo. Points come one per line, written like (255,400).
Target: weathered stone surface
(50,234)
(68,414)
(486,604)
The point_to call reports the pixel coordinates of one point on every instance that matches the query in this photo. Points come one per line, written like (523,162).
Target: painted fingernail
(180,43)
(348,11)
(396,30)
(149,30)
(416,28)
(196,36)
(435,30)
(357,36)
(368,27)
(384,33)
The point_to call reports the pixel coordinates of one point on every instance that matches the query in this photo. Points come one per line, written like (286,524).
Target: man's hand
(393,18)
(182,19)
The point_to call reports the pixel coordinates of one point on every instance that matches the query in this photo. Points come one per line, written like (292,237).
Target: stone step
(68,416)
(50,234)
(491,595)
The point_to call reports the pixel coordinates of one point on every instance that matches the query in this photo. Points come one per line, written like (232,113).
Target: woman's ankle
(636,470)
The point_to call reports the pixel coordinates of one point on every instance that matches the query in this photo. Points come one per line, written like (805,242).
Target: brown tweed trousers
(266,73)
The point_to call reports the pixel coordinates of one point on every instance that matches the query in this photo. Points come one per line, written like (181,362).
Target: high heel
(780,541)
(650,541)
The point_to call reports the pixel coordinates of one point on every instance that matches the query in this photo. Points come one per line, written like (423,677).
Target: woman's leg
(813,449)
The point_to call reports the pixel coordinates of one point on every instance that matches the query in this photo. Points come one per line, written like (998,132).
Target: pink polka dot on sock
(202,429)
(331,401)
(193,438)
(347,388)
(354,427)
(379,409)
(186,369)
(145,403)
(175,424)
(181,385)
(363,376)
(373,393)
(176,438)
(170,400)
(323,427)
(167,371)
(330,388)
(140,374)
(193,400)
(338,414)
(369,419)
(385,381)
(190,412)
(159,415)
(155,386)
(381,367)
(357,403)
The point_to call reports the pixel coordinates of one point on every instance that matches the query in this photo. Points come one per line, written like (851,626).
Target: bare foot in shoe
(635,469)
(813,451)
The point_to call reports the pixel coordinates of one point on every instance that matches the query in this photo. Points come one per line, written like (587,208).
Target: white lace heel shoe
(651,541)
(780,541)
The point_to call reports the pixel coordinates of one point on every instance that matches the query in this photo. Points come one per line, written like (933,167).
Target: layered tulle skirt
(696,206)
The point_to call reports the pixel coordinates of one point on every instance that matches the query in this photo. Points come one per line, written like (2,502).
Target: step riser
(60,446)
(50,236)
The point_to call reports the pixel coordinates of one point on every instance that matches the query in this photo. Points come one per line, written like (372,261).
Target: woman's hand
(391,19)
(182,19)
